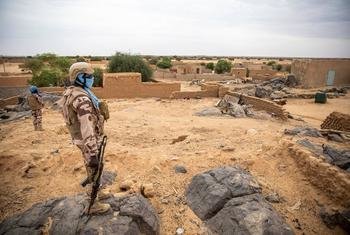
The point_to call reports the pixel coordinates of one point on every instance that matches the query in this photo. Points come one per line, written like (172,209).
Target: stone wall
(239,72)
(15,80)
(207,90)
(262,74)
(126,85)
(314,73)
(262,104)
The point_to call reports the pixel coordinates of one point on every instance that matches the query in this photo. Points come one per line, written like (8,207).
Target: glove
(93,162)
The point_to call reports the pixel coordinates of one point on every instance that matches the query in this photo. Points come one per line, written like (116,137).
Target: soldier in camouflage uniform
(84,120)
(35,102)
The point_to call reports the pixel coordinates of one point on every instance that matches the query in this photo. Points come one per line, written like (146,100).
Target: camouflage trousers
(37,118)
(87,155)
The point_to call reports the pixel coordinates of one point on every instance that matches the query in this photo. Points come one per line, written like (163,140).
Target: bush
(98,75)
(210,66)
(278,67)
(270,63)
(81,59)
(48,69)
(164,63)
(35,65)
(129,63)
(47,77)
(223,66)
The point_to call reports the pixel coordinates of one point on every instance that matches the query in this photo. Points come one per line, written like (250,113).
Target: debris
(78,167)
(147,190)
(180,231)
(36,142)
(179,139)
(252,132)
(296,206)
(180,169)
(55,152)
(306,131)
(234,107)
(211,111)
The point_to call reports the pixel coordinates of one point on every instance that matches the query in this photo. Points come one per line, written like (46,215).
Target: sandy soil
(140,134)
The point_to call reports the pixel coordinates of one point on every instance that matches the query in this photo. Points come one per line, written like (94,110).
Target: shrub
(47,77)
(288,68)
(278,67)
(98,75)
(210,66)
(270,63)
(129,63)
(164,63)
(48,69)
(223,66)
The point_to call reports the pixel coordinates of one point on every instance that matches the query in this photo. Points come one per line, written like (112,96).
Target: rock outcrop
(229,201)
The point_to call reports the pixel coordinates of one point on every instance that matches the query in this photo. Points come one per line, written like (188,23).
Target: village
(274,132)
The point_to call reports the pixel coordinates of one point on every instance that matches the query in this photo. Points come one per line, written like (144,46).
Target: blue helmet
(33,89)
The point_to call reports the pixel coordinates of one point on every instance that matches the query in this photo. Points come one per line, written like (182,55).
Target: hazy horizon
(239,28)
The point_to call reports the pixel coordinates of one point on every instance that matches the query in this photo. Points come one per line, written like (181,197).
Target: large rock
(208,192)
(249,214)
(129,215)
(306,131)
(229,201)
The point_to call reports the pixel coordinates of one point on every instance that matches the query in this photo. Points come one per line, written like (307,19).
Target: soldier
(82,114)
(35,102)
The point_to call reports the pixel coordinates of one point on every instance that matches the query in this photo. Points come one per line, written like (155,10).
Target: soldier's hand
(93,162)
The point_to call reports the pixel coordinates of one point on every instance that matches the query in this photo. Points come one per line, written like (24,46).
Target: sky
(285,28)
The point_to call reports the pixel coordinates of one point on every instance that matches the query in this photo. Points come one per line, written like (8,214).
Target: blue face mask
(86,80)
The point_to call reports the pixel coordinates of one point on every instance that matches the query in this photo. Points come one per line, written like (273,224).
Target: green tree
(98,75)
(223,66)
(164,63)
(210,66)
(35,65)
(47,77)
(278,67)
(271,63)
(48,69)
(130,63)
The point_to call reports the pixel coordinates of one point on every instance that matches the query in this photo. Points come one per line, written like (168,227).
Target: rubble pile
(234,107)
(229,201)
(22,110)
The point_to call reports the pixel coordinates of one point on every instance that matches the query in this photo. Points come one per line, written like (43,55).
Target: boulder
(306,131)
(129,215)
(208,192)
(249,214)
(229,201)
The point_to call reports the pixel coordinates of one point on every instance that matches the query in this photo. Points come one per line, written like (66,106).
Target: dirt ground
(140,149)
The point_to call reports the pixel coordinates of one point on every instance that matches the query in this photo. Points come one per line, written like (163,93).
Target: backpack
(104,109)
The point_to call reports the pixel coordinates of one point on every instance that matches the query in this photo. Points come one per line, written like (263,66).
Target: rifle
(96,177)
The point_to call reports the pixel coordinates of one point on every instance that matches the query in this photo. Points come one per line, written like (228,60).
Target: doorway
(330,78)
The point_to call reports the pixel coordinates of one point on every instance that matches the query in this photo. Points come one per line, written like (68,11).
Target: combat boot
(99,208)
(40,128)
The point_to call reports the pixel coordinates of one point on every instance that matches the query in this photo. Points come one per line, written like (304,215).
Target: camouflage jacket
(84,121)
(35,101)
